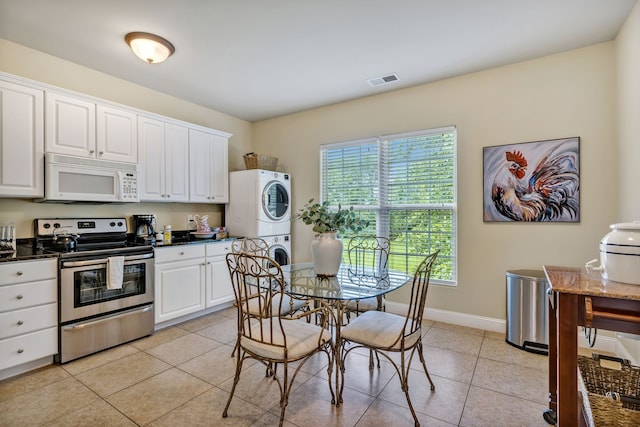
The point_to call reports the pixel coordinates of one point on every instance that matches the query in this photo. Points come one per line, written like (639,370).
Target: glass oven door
(84,291)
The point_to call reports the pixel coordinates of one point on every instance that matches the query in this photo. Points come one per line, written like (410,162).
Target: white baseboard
(454,318)
(602,343)
(25,367)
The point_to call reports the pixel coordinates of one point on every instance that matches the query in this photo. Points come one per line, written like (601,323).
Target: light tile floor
(181,376)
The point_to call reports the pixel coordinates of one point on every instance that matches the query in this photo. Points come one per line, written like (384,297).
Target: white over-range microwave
(76,179)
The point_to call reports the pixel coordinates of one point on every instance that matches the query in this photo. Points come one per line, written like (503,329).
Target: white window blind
(405,186)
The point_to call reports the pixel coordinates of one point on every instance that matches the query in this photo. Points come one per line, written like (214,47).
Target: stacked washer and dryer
(260,206)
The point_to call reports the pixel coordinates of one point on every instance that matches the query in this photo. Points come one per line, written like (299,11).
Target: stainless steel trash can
(528,310)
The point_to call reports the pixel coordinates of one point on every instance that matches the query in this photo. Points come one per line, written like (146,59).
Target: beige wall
(31,64)
(565,95)
(628,67)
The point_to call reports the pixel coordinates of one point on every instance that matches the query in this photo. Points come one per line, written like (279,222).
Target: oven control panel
(46,226)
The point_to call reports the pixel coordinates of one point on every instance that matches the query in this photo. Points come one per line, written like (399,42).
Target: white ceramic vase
(326,251)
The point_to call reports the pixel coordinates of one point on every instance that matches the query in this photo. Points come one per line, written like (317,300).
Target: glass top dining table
(349,284)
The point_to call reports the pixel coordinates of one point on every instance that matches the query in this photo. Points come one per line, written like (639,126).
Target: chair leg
(424,365)
(235,383)
(284,397)
(371,354)
(404,385)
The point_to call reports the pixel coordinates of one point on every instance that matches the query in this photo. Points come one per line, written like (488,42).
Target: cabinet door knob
(100,153)
(92,151)
(181,253)
(20,323)
(19,273)
(19,297)
(20,351)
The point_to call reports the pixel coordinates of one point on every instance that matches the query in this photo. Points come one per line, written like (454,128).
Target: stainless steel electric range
(105,283)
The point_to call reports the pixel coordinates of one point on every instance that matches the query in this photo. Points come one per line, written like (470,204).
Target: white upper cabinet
(21,141)
(163,154)
(78,127)
(70,125)
(208,167)
(176,151)
(116,134)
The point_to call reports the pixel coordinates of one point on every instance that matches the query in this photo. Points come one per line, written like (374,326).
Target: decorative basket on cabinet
(260,161)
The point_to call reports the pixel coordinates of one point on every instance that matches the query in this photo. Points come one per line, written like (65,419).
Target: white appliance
(279,248)
(619,254)
(259,203)
(76,179)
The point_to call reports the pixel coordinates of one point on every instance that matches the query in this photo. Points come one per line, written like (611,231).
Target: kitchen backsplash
(22,212)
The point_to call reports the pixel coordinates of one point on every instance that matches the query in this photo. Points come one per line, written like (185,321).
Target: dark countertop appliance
(105,283)
(145,226)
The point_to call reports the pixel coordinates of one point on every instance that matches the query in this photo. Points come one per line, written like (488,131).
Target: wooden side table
(580,299)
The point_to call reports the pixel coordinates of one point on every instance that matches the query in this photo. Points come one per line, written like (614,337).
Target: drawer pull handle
(20,351)
(20,323)
(181,253)
(19,297)
(19,273)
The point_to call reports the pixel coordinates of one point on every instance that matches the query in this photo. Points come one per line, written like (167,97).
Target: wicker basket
(597,381)
(260,161)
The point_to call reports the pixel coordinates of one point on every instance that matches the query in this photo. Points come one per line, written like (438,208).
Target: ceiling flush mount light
(149,47)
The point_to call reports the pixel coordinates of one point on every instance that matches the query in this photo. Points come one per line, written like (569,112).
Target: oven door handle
(104,319)
(66,264)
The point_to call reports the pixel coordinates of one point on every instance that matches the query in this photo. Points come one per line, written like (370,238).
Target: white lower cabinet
(180,281)
(219,288)
(28,311)
(191,278)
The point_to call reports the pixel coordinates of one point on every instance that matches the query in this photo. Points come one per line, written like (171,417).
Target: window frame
(383,207)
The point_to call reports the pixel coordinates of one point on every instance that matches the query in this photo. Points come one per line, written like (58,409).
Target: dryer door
(279,254)
(275,201)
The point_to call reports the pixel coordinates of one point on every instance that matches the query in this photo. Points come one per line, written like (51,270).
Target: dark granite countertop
(25,249)
(26,252)
(192,242)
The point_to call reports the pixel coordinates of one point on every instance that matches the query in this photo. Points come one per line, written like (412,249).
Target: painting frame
(537,181)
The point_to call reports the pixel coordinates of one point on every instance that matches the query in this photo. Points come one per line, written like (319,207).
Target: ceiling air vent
(383,80)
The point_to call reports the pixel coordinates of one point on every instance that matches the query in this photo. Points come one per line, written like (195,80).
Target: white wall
(31,64)
(628,94)
(628,72)
(565,95)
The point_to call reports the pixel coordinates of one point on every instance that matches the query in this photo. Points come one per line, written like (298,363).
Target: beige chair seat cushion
(379,329)
(365,304)
(289,305)
(302,339)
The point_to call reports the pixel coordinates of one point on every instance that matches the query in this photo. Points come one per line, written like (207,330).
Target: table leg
(550,414)
(339,362)
(567,359)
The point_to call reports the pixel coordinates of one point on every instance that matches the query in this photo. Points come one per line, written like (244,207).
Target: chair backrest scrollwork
(257,279)
(368,256)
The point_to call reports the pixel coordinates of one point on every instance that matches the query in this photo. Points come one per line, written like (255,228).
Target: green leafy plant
(326,220)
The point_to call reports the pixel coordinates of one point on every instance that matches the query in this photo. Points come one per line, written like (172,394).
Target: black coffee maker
(145,228)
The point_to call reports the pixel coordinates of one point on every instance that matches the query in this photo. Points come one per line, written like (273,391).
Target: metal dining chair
(272,335)
(384,332)
(258,246)
(368,257)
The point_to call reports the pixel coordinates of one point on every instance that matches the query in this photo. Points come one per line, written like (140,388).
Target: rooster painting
(547,192)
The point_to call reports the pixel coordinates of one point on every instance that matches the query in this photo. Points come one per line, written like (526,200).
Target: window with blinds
(405,186)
